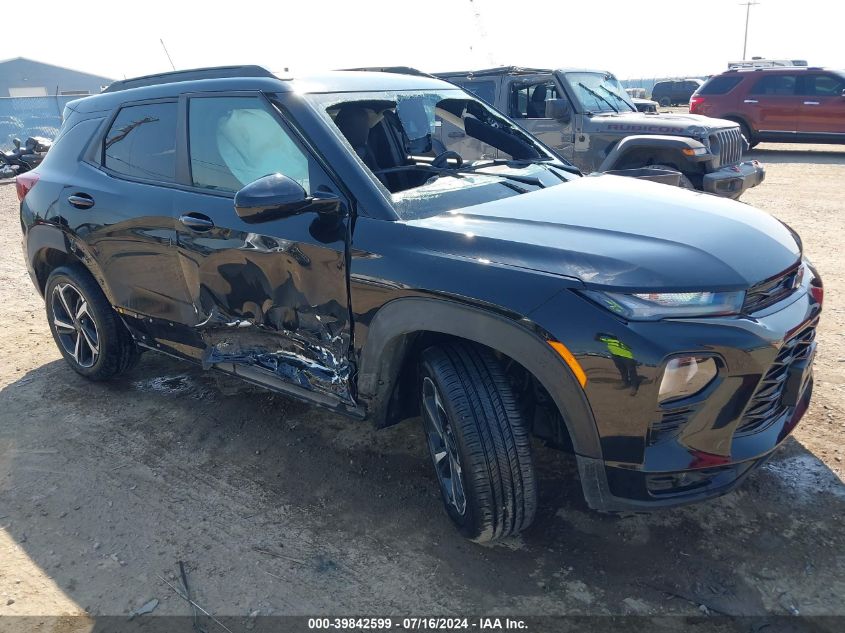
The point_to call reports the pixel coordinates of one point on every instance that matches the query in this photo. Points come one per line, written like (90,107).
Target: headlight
(686,376)
(650,306)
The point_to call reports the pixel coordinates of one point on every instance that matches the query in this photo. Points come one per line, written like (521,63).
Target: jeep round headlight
(686,376)
(650,306)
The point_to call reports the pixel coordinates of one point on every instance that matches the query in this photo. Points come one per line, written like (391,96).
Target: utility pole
(747,6)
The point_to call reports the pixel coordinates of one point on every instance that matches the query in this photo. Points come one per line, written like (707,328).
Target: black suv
(311,236)
(674,92)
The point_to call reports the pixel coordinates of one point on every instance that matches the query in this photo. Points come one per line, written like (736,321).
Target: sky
(632,38)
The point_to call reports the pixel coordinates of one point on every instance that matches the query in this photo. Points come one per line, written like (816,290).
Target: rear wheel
(87,331)
(478,442)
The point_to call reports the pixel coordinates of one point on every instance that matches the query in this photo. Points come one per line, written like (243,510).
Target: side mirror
(276,196)
(558,109)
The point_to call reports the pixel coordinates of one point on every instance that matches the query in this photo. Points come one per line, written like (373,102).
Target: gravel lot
(282,509)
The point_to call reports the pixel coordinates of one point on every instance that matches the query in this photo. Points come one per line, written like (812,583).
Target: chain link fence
(21,117)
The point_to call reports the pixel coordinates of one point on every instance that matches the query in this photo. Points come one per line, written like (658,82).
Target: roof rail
(760,62)
(510,70)
(218,72)
(399,70)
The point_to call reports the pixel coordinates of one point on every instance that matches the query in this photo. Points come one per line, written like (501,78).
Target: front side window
(529,102)
(823,85)
(775,85)
(237,140)
(141,142)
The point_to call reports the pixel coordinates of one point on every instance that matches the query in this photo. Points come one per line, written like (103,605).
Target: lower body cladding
(733,180)
(661,445)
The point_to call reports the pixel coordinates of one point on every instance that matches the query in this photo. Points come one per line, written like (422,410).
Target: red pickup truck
(784,105)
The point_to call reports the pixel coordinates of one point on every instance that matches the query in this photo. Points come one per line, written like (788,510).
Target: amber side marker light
(570,360)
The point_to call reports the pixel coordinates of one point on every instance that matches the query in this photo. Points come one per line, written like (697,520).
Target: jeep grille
(728,143)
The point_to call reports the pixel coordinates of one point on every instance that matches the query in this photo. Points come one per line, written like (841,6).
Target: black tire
(490,440)
(746,132)
(665,102)
(98,327)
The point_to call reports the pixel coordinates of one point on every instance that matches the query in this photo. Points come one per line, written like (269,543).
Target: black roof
(227,78)
(215,72)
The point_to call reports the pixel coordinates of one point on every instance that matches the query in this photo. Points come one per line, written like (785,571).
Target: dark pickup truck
(588,119)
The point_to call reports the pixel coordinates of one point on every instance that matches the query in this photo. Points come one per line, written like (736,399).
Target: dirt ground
(277,508)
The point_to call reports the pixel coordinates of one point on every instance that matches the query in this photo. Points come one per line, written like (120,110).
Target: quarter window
(775,85)
(236,140)
(484,90)
(141,142)
(719,85)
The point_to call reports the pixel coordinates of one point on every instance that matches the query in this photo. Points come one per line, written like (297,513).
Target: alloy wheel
(75,327)
(443,448)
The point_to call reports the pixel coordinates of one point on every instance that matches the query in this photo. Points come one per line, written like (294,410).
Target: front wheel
(683,181)
(478,442)
(87,331)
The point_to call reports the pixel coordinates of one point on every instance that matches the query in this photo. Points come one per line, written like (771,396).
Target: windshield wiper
(617,96)
(434,170)
(598,96)
(546,162)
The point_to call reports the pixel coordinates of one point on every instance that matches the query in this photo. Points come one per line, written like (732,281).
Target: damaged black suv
(315,237)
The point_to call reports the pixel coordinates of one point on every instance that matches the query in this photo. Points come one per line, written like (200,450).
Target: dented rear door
(270,298)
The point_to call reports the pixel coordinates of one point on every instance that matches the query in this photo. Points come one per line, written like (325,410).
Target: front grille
(729,144)
(772,290)
(765,406)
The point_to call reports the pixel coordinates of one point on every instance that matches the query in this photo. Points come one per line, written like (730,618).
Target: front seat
(537,105)
(353,121)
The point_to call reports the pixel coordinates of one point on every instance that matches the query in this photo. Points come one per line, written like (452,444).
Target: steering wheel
(441,159)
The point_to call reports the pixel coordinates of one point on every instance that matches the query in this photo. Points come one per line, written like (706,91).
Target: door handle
(751,101)
(196,221)
(811,103)
(81,201)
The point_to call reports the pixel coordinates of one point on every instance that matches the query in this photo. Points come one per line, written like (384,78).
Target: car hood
(620,233)
(680,124)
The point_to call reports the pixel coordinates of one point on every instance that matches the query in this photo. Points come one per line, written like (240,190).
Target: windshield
(600,92)
(432,151)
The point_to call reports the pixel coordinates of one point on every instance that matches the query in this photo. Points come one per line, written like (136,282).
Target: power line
(747,6)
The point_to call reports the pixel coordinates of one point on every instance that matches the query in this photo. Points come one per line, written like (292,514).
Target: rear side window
(775,85)
(236,140)
(141,142)
(823,85)
(484,90)
(720,85)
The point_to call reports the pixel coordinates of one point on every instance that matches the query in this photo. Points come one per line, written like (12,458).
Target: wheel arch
(402,327)
(48,248)
(652,149)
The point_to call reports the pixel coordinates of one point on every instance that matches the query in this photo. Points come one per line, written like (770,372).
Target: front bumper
(732,181)
(656,455)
